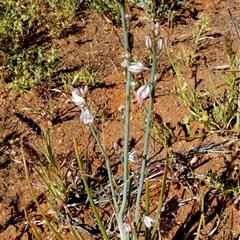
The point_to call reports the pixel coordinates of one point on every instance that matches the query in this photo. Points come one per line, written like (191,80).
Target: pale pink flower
(86,116)
(148,221)
(142,93)
(136,67)
(77,98)
(132,156)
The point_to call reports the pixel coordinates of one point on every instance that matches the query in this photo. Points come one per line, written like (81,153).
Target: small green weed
(217,107)
(154,9)
(109,9)
(23,26)
(52,181)
(201,24)
(215,110)
(28,68)
(76,78)
(22,21)
(225,185)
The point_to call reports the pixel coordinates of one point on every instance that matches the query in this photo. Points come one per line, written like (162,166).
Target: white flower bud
(84,91)
(126,227)
(160,44)
(116,146)
(128,17)
(132,156)
(124,63)
(127,55)
(133,84)
(156,29)
(148,42)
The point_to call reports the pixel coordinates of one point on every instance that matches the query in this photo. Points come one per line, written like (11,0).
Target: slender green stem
(107,160)
(147,133)
(48,152)
(202,219)
(124,26)
(126,142)
(75,234)
(161,198)
(35,233)
(179,77)
(147,197)
(127,115)
(88,191)
(237,119)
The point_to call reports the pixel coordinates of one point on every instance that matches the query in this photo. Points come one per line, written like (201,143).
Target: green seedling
(110,9)
(77,78)
(201,25)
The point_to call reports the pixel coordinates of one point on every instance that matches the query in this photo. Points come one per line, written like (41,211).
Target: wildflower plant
(124,195)
(128,217)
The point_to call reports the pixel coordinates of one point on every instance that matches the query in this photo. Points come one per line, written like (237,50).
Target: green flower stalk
(127,117)
(95,211)
(147,133)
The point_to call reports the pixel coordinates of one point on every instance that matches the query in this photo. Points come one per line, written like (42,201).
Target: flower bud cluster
(155,28)
(79,98)
(160,42)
